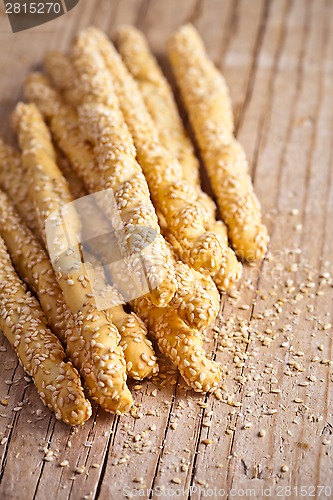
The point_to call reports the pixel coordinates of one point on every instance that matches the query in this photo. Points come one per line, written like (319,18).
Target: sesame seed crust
(161,104)
(11,169)
(182,344)
(103,357)
(140,358)
(197,299)
(62,119)
(102,123)
(39,351)
(33,266)
(206,97)
(159,100)
(172,195)
(60,70)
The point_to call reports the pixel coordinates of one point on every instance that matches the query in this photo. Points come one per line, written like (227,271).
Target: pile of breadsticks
(99,119)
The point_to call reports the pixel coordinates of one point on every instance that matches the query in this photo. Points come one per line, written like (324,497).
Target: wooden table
(272,430)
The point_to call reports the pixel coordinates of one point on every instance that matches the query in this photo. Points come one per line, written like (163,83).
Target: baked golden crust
(39,351)
(206,97)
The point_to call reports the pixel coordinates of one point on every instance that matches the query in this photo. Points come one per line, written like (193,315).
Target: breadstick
(140,358)
(159,100)
(11,169)
(38,350)
(33,266)
(181,344)
(104,359)
(207,100)
(103,124)
(63,122)
(60,69)
(138,350)
(172,195)
(161,104)
(197,299)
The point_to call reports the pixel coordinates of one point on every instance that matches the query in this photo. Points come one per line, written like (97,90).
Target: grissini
(141,361)
(182,344)
(104,358)
(103,125)
(140,358)
(206,98)
(160,102)
(33,266)
(11,169)
(39,351)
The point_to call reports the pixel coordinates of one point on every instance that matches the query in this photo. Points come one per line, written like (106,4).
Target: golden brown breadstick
(33,266)
(197,299)
(63,122)
(207,100)
(104,357)
(103,124)
(140,358)
(159,100)
(181,344)
(38,350)
(138,350)
(60,70)
(11,169)
(172,194)
(161,104)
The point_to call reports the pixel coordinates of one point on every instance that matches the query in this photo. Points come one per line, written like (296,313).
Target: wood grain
(277,58)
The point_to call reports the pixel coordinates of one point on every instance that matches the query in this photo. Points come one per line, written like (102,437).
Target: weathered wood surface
(277,58)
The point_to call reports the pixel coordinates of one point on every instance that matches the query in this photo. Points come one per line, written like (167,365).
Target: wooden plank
(277,58)
(280,448)
(244,42)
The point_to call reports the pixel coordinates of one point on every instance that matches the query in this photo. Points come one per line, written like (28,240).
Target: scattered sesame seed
(176,480)
(80,469)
